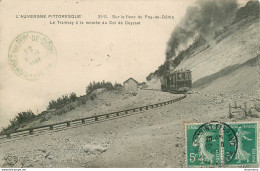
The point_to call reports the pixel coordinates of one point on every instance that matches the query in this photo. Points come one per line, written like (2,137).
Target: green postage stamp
(222,144)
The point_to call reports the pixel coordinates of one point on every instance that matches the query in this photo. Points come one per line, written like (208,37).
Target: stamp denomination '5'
(31,54)
(218,143)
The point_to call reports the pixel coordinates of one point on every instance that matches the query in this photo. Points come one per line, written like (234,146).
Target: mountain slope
(232,46)
(238,44)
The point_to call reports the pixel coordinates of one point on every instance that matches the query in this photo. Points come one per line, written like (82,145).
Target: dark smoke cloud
(203,19)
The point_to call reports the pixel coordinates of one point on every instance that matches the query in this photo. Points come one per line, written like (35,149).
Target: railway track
(51,128)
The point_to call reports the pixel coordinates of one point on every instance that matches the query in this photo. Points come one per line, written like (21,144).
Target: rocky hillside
(229,48)
(236,44)
(103,102)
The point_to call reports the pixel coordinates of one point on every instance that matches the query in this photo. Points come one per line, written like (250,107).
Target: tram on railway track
(177,81)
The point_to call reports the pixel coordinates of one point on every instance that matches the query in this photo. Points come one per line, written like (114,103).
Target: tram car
(177,81)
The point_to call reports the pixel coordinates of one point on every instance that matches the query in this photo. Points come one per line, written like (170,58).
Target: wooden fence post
(107,115)
(229,111)
(245,109)
(146,107)
(83,121)
(68,124)
(96,118)
(126,112)
(117,114)
(30,131)
(51,127)
(141,108)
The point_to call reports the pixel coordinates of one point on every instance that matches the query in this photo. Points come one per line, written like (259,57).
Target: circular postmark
(216,143)
(31,54)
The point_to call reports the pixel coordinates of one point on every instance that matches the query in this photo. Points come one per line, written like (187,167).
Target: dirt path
(152,138)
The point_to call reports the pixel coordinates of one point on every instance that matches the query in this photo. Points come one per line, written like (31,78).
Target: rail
(102,117)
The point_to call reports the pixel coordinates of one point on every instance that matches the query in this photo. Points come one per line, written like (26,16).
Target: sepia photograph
(129,84)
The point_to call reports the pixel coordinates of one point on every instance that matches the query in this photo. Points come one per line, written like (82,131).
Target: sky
(85,53)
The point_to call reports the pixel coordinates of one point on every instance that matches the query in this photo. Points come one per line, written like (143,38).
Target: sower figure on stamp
(201,142)
(242,155)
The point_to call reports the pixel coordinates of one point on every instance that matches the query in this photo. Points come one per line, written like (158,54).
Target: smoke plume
(203,19)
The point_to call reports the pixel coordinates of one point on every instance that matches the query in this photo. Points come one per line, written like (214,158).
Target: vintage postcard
(129,84)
